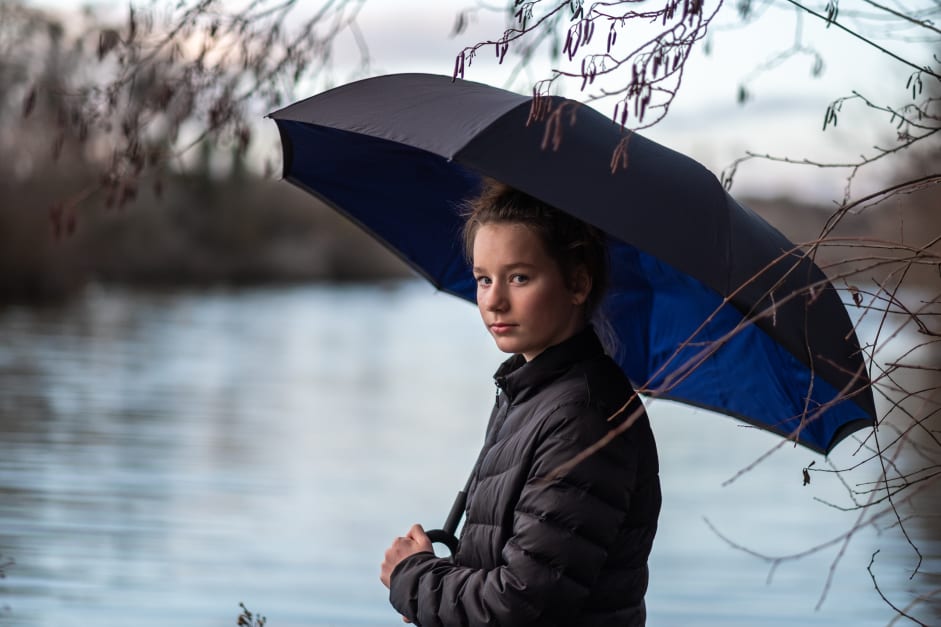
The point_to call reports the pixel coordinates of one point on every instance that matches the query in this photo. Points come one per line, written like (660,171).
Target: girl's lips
(501,328)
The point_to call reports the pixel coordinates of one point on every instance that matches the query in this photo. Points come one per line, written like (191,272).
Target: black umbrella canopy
(712,305)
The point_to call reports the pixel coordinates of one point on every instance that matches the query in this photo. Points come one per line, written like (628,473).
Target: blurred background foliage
(201,230)
(94,185)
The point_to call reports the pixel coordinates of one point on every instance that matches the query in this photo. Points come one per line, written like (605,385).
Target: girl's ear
(581,286)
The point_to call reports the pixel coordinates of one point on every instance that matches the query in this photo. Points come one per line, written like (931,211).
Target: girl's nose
(495,298)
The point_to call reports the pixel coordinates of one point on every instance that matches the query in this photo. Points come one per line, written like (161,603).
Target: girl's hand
(415,541)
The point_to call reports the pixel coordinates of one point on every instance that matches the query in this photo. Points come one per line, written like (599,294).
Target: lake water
(165,456)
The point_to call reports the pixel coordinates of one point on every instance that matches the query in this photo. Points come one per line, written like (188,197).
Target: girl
(550,537)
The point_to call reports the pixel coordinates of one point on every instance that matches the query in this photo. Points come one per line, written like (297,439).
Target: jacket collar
(518,378)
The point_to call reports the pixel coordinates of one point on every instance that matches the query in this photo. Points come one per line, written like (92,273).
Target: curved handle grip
(446,536)
(443,537)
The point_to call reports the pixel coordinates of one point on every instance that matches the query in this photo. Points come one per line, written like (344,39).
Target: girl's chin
(506,345)
(513,346)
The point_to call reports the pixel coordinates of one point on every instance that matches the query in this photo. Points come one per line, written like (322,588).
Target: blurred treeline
(200,230)
(94,188)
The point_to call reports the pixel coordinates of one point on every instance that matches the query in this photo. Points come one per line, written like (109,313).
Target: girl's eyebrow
(509,266)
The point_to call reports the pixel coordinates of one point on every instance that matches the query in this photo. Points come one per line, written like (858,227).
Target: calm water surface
(165,456)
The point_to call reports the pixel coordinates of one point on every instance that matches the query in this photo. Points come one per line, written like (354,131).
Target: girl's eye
(483,280)
(519,279)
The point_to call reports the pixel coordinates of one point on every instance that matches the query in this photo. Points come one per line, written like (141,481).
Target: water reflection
(165,456)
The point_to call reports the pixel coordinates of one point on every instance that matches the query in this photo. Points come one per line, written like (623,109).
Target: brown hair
(573,244)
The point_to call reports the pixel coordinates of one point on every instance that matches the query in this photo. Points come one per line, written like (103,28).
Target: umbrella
(712,306)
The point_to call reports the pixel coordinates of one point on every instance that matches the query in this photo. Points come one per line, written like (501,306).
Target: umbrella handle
(446,536)
(441,536)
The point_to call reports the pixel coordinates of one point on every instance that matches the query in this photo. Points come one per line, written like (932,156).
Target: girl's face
(522,296)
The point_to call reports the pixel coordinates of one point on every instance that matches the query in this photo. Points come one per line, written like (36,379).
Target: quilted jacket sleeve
(562,531)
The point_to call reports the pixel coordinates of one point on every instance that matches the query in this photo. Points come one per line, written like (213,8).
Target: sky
(783,116)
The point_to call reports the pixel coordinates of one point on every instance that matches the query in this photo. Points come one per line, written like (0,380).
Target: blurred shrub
(201,231)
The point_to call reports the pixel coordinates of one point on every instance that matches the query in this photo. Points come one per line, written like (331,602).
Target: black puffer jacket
(538,550)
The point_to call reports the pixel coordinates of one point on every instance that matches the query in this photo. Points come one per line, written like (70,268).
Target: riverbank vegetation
(199,231)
